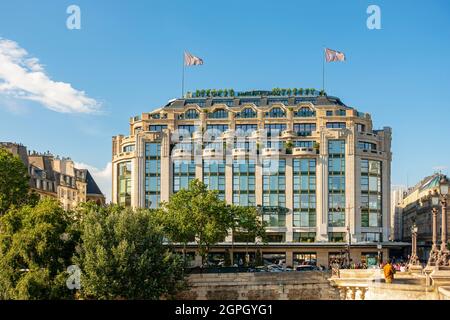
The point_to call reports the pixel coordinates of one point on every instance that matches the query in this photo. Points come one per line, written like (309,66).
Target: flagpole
(323,71)
(182,80)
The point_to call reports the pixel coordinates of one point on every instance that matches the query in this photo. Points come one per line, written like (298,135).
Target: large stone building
(317,169)
(57,178)
(416,209)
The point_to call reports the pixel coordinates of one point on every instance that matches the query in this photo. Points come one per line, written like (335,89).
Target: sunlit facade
(315,168)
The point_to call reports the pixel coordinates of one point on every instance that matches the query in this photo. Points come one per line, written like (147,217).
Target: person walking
(389,272)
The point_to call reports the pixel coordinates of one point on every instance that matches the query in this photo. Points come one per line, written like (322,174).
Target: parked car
(306,268)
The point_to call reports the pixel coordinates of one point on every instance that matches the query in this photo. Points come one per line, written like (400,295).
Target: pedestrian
(389,272)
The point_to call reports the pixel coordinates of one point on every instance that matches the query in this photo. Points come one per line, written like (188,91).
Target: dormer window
(218,114)
(276,113)
(246,113)
(191,114)
(304,112)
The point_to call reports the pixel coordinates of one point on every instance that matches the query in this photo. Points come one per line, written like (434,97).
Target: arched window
(246,113)
(276,113)
(191,114)
(304,112)
(218,114)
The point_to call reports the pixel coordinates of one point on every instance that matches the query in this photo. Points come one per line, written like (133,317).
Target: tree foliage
(122,256)
(196,214)
(14,181)
(36,246)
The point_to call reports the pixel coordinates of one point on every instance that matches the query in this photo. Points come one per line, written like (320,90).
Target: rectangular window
(304,237)
(274,129)
(244,182)
(183,173)
(304,187)
(336,183)
(371,193)
(214,176)
(157,127)
(124,183)
(304,129)
(274,192)
(336,125)
(152,174)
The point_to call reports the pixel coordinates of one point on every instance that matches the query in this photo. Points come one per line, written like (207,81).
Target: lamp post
(414,259)
(443,188)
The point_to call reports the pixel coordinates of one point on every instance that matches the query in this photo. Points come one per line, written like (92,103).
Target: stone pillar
(444,225)
(289,200)
(289,258)
(435,230)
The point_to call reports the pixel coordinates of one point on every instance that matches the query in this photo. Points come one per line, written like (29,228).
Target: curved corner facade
(316,168)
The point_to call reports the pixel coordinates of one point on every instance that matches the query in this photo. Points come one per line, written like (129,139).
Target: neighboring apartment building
(397,194)
(416,208)
(316,168)
(57,178)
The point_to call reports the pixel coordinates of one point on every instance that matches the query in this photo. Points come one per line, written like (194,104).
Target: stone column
(289,200)
(444,225)
(435,230)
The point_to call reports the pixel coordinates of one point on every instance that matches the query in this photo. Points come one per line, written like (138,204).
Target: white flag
(191,60)
(333,55)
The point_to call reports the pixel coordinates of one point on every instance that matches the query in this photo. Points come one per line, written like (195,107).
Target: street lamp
(443,188)
(414,259)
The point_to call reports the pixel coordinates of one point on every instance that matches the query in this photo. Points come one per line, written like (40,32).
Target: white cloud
(101,176)
(23,77)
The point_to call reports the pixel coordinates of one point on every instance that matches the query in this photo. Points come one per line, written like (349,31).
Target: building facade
(416,209)
(316,168)
(57,178)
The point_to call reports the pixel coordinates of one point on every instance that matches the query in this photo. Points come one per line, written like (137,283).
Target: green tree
(231,92)
(123,256)
(197,213)
(36,247)
(14,181)
(248,222)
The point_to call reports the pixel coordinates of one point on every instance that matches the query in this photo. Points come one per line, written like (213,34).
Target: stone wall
(307,285)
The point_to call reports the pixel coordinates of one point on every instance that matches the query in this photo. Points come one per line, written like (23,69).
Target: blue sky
(127,57)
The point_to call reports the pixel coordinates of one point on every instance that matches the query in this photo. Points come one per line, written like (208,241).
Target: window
(218,114)
(360,127)
(336,236)
(274,129)
(305,258)
(363,145)
(128,148)
(304,129)
(214,131)
(336,125)
(245,129)
(303,144)
(329,113)
(340,113)
(304,112)
(228,102)
(191,114)
(246,113)
(152,174)
(244,182)
(371,193)
(304,237)
(304,188)
(276,113)
(336,183)
(274,192)
(277,100)
(183,173)
(185,131)
(123,184)
(214,176)
(371,236)
(256,102)
(157,127)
